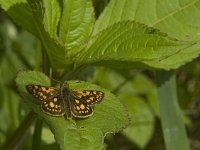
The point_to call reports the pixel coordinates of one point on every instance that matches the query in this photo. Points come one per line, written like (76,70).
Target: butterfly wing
(41,92)
(54,105)
(90,97)
(82,100)
(79,109)
(52,102)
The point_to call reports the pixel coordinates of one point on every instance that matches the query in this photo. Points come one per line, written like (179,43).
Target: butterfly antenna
(52,79)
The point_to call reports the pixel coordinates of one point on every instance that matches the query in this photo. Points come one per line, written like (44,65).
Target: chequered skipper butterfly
(57,102)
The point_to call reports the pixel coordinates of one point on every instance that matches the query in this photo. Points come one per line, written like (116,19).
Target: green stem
(37,134)
(19,135)
(39,123)
(171,118)
(45,63)
(72,74)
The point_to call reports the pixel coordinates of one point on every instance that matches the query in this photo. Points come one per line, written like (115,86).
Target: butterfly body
(57,102)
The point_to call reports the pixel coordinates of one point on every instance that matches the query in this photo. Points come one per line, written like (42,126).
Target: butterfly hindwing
(90,97)
(80,109)
(54,105)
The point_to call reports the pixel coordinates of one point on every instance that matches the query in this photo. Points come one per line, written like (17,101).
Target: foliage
(82,132)
(67,42)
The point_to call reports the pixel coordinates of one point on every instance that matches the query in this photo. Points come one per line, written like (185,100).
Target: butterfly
(60,101)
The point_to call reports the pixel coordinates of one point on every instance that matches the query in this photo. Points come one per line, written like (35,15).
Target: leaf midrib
(172,13)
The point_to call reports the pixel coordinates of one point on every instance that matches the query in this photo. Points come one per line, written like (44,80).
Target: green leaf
(34,13)
(142,85)
(21,14)
(178,59)
(75,27)
(78,133)
(76,23)
(88,141)
(9,3)
(142,126)
(171,118)
(172,17)
(131,42)
(54,50)
(47,136)
(52,16)
(115,11)
(130,90)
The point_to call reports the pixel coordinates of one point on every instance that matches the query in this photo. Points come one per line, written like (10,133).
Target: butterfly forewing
(90,97)
(41,92)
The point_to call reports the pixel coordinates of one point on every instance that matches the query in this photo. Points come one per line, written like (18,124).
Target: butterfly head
(65,87)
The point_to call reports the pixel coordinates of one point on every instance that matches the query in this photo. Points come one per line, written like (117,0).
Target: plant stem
(171,118)
(20,134)
(37,134)
(39,123)
(45,63)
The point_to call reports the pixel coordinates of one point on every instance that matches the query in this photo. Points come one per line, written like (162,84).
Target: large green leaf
(172,123)
(58,26)
(109,116)
(9,3)
(76,23)
(177,18)
(130,90)
(55,51)
(131,42)
(52,16)
(170,16)
(32,10)
(23,17)
(142,126)
(73,25)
